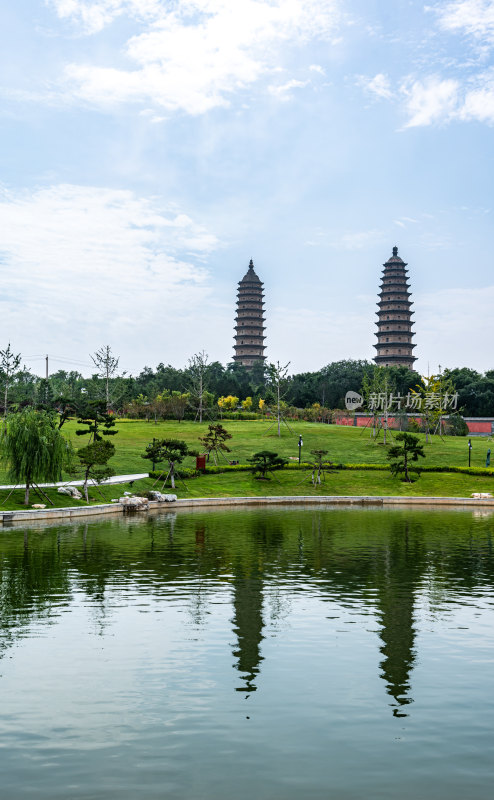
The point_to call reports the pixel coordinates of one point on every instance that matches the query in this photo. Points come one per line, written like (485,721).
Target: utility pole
(46,359)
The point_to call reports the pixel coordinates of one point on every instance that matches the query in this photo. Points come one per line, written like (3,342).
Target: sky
(150,148)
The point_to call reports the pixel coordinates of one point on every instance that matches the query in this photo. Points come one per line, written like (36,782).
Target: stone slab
(7,518)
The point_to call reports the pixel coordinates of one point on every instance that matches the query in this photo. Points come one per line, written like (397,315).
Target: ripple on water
(255,653)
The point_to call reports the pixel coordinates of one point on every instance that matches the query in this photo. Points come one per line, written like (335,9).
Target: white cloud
(474,17)
(193,55)
(283,91)
(431,101)
(434,101)
(478,103)
(82,265)
(379,85)
(94,15)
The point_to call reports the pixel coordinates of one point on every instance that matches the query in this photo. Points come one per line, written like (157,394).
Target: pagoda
(249,322)
(394,327)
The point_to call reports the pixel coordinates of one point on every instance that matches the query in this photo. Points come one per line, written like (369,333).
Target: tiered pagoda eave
(394,327)
(249,321)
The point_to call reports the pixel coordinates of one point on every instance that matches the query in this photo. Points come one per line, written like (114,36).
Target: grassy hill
(344,445)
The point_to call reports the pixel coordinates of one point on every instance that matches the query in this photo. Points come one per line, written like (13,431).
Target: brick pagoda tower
(394,327)
(249,322)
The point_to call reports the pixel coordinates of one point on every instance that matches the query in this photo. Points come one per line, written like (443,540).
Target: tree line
(203,389)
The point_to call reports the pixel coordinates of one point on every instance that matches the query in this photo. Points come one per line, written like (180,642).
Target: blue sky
(150,148)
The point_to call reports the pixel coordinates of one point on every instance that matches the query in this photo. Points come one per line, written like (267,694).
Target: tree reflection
(378,561)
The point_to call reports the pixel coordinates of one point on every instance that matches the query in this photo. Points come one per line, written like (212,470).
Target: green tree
(215,440)
(44,395)
(94,461)
(198,374)
(456,425)
(107,365)
(266,461)
(9,363)
(174,451)
(176,404)
(97,421)
(66,408)
(278,379)
(155,452)
(434,393)
(402,455)
(318,465)
(34,449)
(376,390)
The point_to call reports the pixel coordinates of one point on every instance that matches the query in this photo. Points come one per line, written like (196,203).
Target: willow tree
(34,449)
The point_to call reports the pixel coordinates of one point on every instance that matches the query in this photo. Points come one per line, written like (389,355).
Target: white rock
(70,491)
(134,502)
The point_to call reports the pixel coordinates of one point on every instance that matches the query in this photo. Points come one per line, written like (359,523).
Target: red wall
(479,427)
(474,426)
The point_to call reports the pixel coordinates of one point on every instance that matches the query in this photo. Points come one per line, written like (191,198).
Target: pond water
(274,654)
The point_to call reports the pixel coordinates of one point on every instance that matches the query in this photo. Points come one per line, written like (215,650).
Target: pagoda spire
(249,322)
(394,326)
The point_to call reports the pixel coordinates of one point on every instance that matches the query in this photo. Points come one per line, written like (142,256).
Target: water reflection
(380,563)
(397,583)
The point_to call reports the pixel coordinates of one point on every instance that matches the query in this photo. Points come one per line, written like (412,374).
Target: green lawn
(344,445)
(242,484)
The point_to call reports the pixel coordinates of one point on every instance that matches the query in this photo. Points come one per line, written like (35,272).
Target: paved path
(109,481)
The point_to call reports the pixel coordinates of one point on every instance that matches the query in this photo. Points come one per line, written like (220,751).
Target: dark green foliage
(34,448)
(9,364)
(319,466)
(66,408)
(401,456)
(456,425)
(266,461)
(215,440)
(155,452)
(326,386)
(44,395)
(476,391)
(174,451)
(94,461)
(98,423)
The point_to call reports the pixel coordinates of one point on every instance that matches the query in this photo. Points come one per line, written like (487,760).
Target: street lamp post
(469,451)
(300,443)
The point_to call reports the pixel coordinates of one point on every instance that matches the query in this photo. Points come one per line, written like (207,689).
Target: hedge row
(189,472)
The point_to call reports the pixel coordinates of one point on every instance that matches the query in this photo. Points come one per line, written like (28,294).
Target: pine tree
(266,461)
(401,456)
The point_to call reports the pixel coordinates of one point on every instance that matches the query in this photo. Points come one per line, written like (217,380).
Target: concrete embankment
(75,513)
